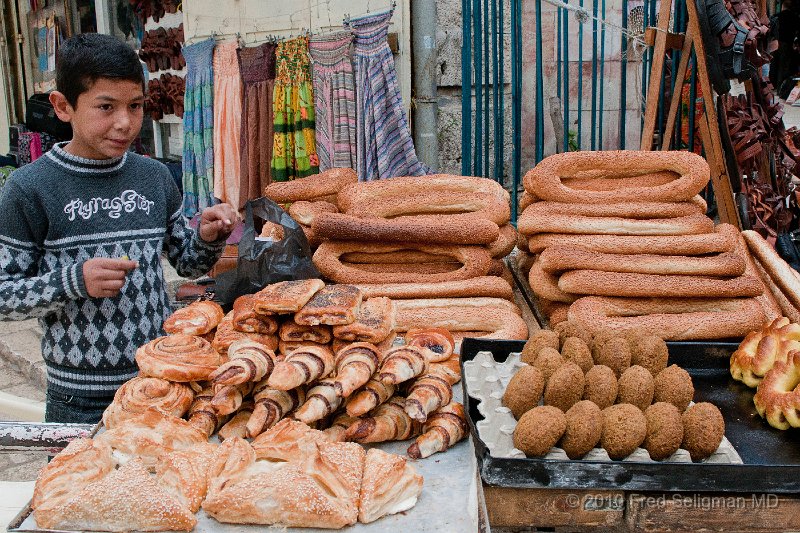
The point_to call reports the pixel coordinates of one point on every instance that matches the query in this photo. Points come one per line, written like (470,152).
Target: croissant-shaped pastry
(444,428)
(450,369)
(237,426)
(177,358)
(321,401)
(339,427)
(368,398)
(302,366)
(248,361)
(436,343)
(197,318)
(402,363)
(427,394)
(136,395)
(202,414)
(226,335)
(388,422)
(355,364)
(272,405)
(228,398)
(291,331)
(246,320)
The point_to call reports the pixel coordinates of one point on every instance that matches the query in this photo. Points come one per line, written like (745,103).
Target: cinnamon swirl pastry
(177,358)
(139,393)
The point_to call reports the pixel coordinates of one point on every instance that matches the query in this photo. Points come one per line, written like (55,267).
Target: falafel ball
(703,429)
(601,386)
(600,337)
(650,352)
(539,430)
(543,338)
(664,430)
(565,387)
(584,429)
(674,385)
(524,390)
(615,353)
(624,429)
(549,361)
(636,387)
(575,350)
(569,329)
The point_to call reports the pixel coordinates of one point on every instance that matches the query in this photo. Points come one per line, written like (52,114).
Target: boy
(82,230)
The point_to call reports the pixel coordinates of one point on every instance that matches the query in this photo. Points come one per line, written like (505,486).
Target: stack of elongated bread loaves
(433,244)
(621,241)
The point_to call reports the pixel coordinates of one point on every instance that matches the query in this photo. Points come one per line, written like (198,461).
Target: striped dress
(198,128)
(335,100)
(384,145)
(294,153)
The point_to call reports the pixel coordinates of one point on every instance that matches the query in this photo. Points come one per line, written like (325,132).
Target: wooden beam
(726,206)
(656,71)
(672,114)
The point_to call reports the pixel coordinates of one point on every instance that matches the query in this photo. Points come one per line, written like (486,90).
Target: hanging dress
(198,128)
(294,153)
(335,100)
(227,123)
(384,145)
(257,65)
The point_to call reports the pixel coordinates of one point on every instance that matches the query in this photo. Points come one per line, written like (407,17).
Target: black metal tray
(771,457)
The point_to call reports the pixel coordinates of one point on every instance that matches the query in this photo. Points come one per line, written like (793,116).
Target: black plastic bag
(262,262)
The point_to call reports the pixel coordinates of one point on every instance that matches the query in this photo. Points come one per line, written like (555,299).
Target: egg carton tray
(753,457)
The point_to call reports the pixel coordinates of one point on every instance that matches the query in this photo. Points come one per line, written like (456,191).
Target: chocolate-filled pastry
(271,406)
(302,366)
(444,427)
(248,361)
(334,305)
(286,296)
(246,320)
(389,422)
(227,335)
(197,318)
(355,364)
(291,331)
(374,322)
(436,343)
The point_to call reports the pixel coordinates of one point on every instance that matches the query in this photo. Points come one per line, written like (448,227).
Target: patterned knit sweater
(60,211)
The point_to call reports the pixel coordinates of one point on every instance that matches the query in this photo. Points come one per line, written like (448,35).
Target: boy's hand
(105,277)
(217,222)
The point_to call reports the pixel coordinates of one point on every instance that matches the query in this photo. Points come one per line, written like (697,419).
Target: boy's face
(106,119)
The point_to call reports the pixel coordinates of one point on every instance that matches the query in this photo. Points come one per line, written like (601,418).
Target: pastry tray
(448,502)
(756,458)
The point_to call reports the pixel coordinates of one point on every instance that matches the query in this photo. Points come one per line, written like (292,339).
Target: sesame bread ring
(475,262)
(313,187)
(779,270)
(440,194)
(504,243)
(599,283)
(669,318)
(488,286)
(304,212)
(460,228)
(561,258)
(636,210)
(778,395)
(498,318)
(722,240)
(545,285)
(589,225)
(616,179)
(402,256)
(544,180)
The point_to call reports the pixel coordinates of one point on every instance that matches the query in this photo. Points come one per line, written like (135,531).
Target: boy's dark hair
(86,57)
